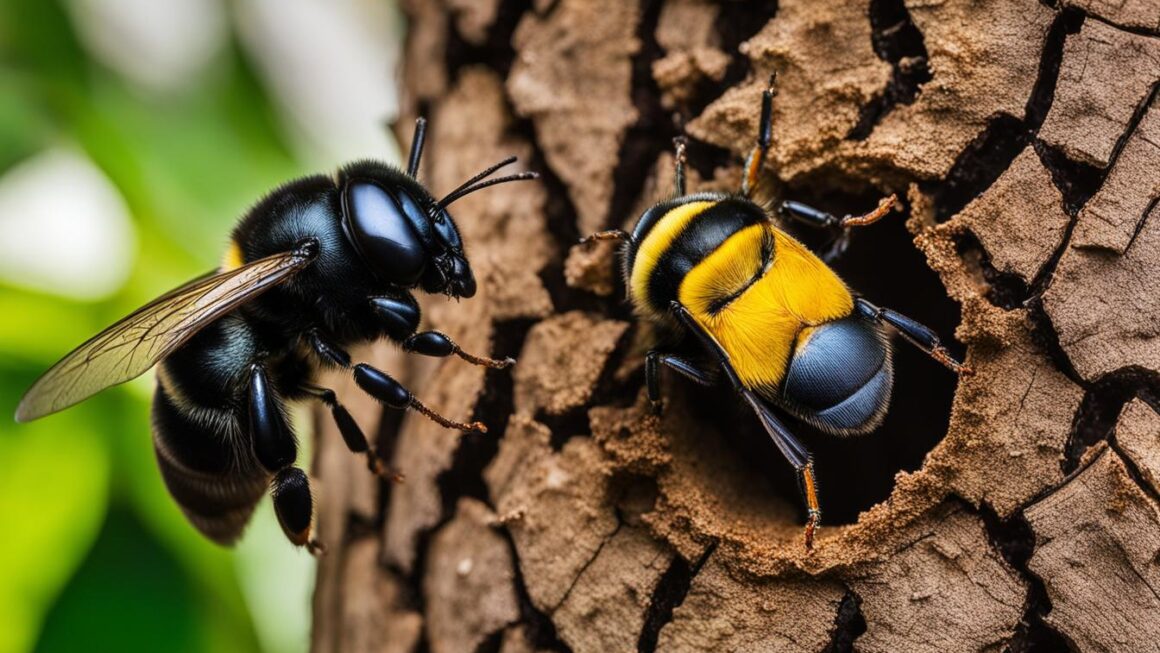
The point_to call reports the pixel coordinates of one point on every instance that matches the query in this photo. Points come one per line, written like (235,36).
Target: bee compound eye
(382,234)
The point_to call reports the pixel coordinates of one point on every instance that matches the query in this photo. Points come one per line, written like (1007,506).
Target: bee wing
(133,345)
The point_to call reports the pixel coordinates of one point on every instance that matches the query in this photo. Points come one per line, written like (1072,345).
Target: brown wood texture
(1014,510)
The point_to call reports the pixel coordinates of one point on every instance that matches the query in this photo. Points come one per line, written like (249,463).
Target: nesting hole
(857,472)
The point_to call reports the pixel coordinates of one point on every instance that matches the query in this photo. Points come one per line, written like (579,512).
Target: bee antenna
(467,190)
(508,161)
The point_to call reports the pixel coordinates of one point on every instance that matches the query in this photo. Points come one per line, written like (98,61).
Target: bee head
(402,234)
(449,271)
(405,235)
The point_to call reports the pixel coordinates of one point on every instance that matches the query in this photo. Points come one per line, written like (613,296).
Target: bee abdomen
(214,481)
(840,376)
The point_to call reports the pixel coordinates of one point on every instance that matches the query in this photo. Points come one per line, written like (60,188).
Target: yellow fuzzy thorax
(760,326)
(654,246)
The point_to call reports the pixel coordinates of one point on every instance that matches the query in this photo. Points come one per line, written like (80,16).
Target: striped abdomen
(199,432)
(840,376)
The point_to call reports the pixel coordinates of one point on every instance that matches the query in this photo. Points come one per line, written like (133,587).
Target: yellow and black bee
(320,264)
(780,324)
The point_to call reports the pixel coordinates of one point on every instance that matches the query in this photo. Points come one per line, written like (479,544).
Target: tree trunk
(1015,509)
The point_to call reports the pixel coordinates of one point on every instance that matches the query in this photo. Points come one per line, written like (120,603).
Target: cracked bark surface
(1017,510)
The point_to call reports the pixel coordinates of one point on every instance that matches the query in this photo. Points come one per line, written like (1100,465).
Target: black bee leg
(416,147)
(381,386)
(783,439)
(652,363)
(352,435)
(295,507)
(756,159)
(679,164)
(328,353)
(399,314)
(274,443)
(276,450)
(810,216)
(917,334)
(436,343)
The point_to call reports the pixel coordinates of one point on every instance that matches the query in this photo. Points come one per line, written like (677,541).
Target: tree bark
(1015,509)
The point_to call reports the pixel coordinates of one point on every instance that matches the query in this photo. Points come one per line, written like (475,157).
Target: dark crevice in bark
(538,626)
(1137,117)
(464,478)
(1096,418)
(1140,223)
(991,152)
(1077,181)
(653,130)
(492,643)
(980,163)
(1006,290)
(736,23)
(496,52)
(1043,92)
(669,593)
(1015,541)
(572,423)
(1044,335)
(849,624)
(1140,31)
(897,41)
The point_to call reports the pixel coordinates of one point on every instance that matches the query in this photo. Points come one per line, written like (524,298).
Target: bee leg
(352,435)
(387,390)
(274,444)
(652,362)
(756,158)
(399,314)
(276,450)
(679,144)
(436,343)
(917,334)
(797,455)
(295,507)
(812,217)
(783,439)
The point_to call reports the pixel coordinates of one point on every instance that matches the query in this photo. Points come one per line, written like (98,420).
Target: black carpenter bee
(319,265)
(771,315)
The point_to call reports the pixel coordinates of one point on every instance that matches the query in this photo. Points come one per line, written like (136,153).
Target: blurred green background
(133,133)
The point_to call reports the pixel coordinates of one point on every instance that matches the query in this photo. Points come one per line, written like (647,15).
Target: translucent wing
(130,347)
